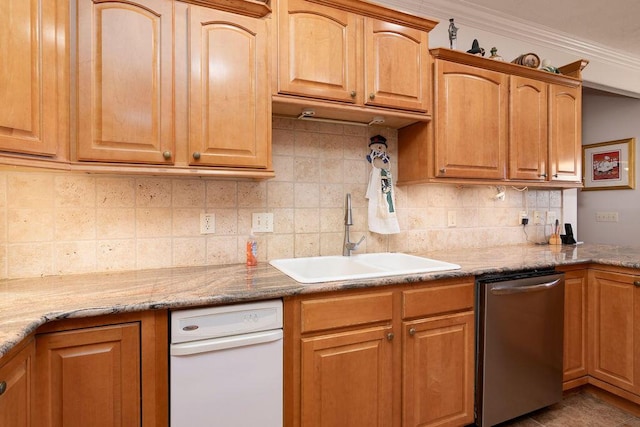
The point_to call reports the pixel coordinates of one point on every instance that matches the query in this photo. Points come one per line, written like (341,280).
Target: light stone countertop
(25,304)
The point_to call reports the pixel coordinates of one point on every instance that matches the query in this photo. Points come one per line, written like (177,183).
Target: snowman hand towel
(382,206)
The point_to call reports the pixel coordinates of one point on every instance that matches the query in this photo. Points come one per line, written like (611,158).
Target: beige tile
(332,195)
(355,147)
(331,220)
(153,222)
(30,225)
(116,255)
(332,149)
(189,251)
(153,192)
(282,123)
(115,192)
(115,223)
(30,260)
(227,221)
(186,222)
(75,224)
(221,194)
(153,253)
(307,220)
(307,144)
(555,198)
(3,261)
(331,170)
(331,244)
(307,245)
(306,195)
(188,193)
(280,194)
(223,250)
(75,190)
(252,194)
(308,169)
(542,199)
(356,171)
(280,246)
(283,165)
(283,142)
(283,221)
(75,257)
(30,190)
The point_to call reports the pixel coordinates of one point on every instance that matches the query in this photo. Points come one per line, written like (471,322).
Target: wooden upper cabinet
(471,121)
(125,81)
(565,133)
(29,75)
(229,96)
(317,51)
(396,66)
(528,139)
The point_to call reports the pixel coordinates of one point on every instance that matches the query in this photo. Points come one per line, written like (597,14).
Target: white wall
(608,117)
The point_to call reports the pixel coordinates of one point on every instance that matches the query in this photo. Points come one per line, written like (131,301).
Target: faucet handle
(354,246)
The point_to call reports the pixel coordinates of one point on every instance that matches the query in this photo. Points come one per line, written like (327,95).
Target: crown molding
(515,28)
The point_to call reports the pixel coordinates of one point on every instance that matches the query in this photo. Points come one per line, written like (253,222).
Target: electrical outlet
(207,223)
(522,215)
(451,219)
(262,222)
(537,218)
(551,217)
(607,216)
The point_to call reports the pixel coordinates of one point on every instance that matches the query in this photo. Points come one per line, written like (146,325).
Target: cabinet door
(614,329)
(528,139)
(438,376)
(125,81)
(575,325)
(565,121)
(229,95)
(89,377)
(317,51)
(28,77)
(16,379)
(471,122)
(347,379)
(396,66)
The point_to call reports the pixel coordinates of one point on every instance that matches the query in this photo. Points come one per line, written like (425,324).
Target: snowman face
(378,147)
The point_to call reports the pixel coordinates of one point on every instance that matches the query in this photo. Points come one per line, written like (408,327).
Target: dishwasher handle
(223,343)
(508,289)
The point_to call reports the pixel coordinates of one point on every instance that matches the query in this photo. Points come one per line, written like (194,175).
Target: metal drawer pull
(412,331)
(390,336)
(505,290)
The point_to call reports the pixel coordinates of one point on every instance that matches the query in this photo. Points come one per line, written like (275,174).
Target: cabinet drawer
(438,299)
(340,312)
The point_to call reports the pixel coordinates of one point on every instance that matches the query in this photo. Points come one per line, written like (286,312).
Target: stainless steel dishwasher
(519,343)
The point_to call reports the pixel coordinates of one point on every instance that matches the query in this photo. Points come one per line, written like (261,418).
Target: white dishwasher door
(227,381)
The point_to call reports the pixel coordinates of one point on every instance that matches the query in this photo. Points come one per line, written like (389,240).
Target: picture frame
(609,165)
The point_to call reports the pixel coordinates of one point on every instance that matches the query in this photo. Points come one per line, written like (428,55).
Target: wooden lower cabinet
(346,378)
(438,374)
(107,371)
(614,329)
(16,385)
(400,356)
(575,327)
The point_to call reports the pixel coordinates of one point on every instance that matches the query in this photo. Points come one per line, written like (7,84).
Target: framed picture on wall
(609,165)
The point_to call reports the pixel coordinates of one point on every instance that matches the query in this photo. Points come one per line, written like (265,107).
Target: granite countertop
(26,304)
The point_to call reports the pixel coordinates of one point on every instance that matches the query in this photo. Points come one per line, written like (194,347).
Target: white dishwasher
(226,366)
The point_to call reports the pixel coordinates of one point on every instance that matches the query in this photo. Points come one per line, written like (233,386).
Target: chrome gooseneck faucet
(348,221)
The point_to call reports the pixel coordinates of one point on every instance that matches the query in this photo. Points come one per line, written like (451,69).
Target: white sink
(363,266)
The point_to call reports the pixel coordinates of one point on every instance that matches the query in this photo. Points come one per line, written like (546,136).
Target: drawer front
(340,312)
(434,300)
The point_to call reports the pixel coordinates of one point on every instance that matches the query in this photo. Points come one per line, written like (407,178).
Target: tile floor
(581,409)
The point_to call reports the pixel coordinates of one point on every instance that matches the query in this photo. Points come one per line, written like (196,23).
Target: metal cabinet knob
(166,155)
(412,331)
(555,175)
(443,170)
(196,155)
(390,336)
(372,95)
(636,283)
(3,387)
(543,175)
(353,94)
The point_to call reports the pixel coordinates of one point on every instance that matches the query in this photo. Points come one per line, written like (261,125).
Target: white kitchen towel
(382,202)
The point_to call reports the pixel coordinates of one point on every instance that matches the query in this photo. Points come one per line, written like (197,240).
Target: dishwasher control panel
(228,320)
